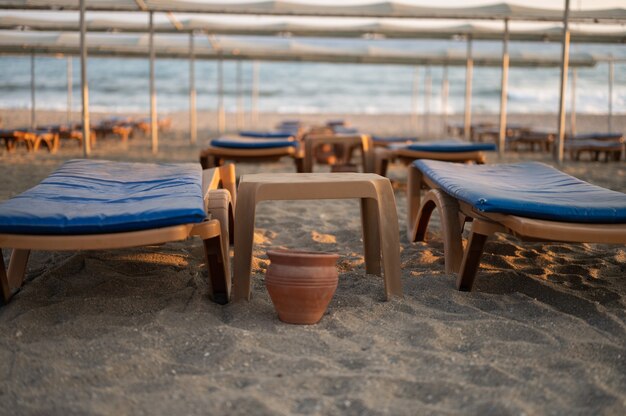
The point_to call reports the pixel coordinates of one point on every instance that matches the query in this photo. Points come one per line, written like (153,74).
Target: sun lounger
(446,150)
(612,150)
(246,149)
(32,139)
(266,134)
(531,201)
(531,140)
(386,141)
(144,124)
(94,205)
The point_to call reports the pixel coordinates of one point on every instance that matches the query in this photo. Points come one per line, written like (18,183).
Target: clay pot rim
(282,252)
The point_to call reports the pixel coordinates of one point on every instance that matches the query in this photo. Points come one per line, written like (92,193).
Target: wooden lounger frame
(219,204)
(407,156)
(214,156)
(347,143)
(454,214)
(33,140)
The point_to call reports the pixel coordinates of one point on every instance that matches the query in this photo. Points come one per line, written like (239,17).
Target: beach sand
(133,331)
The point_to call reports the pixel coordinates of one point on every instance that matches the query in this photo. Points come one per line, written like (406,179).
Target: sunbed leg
(299,162)
(451,224)
(389,240)
(481,230)
(244,237)
(413,197)
(217,265)
(371,235)
(14,276)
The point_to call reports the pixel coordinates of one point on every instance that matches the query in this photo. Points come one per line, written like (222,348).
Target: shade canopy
(177,46)
(385,9)
(296,28)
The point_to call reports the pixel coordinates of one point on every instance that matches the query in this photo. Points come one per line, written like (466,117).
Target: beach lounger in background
(143,124)
(445,150)
(95,205)
(32,139)
(612,145)
(531,140)
(387,141)
(531,201)
(246,149)
(342,147)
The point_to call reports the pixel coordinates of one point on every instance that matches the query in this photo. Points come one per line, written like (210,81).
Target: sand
(133,331)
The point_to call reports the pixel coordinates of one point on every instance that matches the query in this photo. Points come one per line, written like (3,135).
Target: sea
(121,84)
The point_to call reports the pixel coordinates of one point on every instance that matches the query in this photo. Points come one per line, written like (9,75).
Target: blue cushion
(394,139)
(530,189)
(98,196)
(598,136)
(451,146)
(245,143)
(266,134)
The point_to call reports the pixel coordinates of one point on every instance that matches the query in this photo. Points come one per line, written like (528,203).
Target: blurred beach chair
(247,149)
(445,150)
(531,140)
(119,126)
(143,124)
(612,145)
(68,132)
(341,147)
(100,205)
(531,201)
(389,141)
(491,133)
(32,139)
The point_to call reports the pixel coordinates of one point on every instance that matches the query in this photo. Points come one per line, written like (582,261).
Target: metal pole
(444,96)
(221,115)
(427,94)
(154,126)
(33,105)
(255,93)
(83,83)
(573,109)
(469,66)
(239,96)
(611,80)
(193,124)
(564,66)
(70,88)
(503,89)
(414,99)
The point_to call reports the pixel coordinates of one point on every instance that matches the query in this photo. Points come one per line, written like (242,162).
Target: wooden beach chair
(246,149)
(99,205)
(446,150)
(531,201)
(32,139)
(612,145)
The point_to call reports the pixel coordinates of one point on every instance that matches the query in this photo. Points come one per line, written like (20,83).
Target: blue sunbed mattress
(266,134)
(98,196)
(532,190)
(451,146)
(598,136)
(394,139)
(245,143)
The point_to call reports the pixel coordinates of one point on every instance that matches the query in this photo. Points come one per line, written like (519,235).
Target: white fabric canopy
(177,46)
(385,9)
(384,29)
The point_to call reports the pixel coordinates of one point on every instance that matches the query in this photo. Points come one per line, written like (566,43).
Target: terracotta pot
(301,284)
